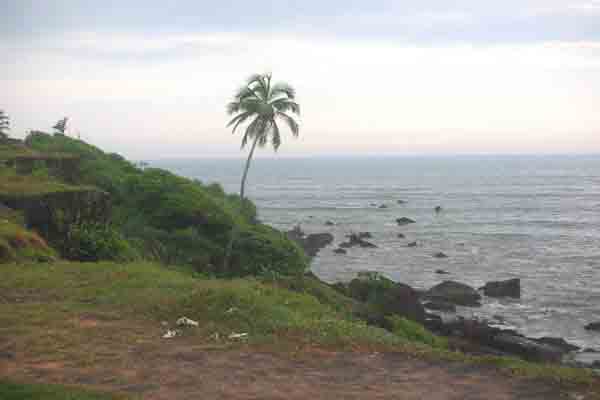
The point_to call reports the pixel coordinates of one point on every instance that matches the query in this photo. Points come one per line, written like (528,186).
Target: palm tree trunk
(234,228)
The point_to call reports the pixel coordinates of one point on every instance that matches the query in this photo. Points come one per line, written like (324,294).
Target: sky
(150,79)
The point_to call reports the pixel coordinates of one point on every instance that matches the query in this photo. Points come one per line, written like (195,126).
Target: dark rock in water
(440,255)
(454,292)
(401,202)
(438,209)
(508,288)
(594,326)
(310,243)
(559,343)
(357,240)
(440,306)
(329,223)
(404,221)
(412,244)
(382,206)
(401,236)
(373,204)
(365,235)
(441,272)
(340,251)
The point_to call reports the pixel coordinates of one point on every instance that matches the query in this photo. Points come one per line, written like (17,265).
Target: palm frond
(275,135)
(250,131)
(283,104)
(291,123)
(239,119)
(282,88)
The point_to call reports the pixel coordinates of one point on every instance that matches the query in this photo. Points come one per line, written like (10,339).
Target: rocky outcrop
(455,293)
(480,333)
(383,298)
(404,221)
(440,306)
(356,240)
(52,214)
(311,243)
(508,288)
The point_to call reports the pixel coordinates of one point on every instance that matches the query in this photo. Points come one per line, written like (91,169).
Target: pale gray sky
(150,80)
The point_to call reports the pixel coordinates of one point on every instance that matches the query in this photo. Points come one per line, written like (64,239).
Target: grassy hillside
(172,219)
(20,391)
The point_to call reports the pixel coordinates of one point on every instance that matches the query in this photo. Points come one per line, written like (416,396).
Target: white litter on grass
(238,336)
(184,321)
(170,334)
(232,309)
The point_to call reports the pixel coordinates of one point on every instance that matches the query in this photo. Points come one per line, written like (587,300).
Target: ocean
(536,218)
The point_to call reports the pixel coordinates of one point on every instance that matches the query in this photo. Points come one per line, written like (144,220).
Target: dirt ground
(158,369)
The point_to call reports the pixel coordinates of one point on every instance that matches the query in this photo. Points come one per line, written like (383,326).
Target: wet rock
(508,288)
(401,201)
(438,209)
(594,326)
(365,235)
(404,221)
(340,251)
(481,334)
(329,223)
(455,293)
(310,243)
(401,236)
(559,343)
(439,254)
(355,240)
(412,244)
(440,306)
(382,206)
(441,272)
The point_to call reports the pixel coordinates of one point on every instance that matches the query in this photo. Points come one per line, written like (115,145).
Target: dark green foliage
(175,220)
(95,242)
(369,287)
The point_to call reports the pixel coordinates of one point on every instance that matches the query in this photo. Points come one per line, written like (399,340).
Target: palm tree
(263,104)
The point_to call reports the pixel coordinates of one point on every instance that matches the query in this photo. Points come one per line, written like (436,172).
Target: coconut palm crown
(262,104)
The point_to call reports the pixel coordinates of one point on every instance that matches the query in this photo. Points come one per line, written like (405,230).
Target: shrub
(94,242)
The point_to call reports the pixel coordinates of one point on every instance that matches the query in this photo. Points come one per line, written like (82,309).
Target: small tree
(61,126)
(4,125)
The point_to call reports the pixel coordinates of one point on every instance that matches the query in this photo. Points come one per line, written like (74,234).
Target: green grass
(11,151)
(271,314)
(18,391)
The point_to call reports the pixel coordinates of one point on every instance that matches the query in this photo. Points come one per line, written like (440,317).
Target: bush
(94,242)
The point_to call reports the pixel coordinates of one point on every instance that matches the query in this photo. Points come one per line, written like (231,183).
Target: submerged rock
(412,244)
(441,272)
(508,288)
(340,251)
(455,293)
(438,209)
(594,326)
(401,236)
(439,254)
(401,201)
(404,221)
(329,223)
(382,206)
